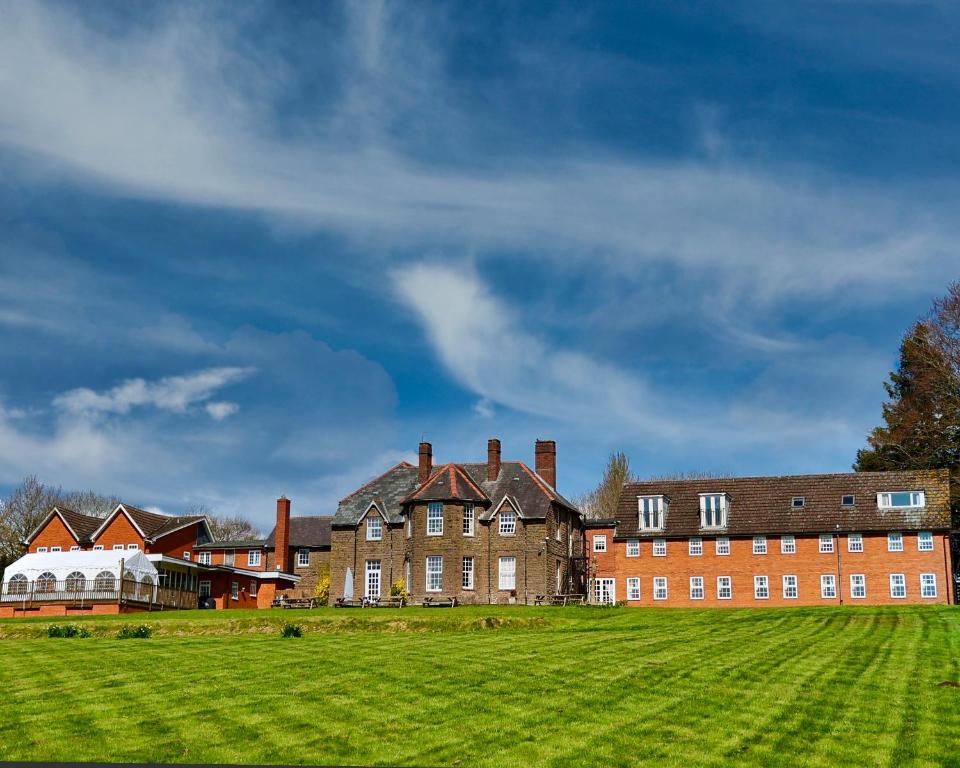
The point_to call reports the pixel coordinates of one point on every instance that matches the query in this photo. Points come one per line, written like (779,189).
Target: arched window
(147,579)
(46,582)
(76,582)
(105,582)
(17,584)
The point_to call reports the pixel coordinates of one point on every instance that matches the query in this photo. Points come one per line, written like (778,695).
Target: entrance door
(372,588)
(604,591)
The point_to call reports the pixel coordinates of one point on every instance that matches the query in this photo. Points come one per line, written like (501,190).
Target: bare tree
(227,527)
(602,501)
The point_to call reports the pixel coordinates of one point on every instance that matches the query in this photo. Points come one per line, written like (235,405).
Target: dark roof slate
(526,489)
(449,482)
(306,531)
(763,505)
(82,525)
(387,490)
(154,525)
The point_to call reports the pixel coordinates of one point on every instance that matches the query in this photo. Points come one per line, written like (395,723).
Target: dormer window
(901,499)
(798,502)
(713,510)
(374,528)
(652,509)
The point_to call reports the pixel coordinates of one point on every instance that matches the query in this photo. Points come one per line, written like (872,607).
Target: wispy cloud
(173,393)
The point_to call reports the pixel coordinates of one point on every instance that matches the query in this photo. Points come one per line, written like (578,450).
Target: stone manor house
(499,531)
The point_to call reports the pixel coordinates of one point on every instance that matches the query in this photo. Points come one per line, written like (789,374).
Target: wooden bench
(342,602)
(439,602)
(386,602)
(299,602)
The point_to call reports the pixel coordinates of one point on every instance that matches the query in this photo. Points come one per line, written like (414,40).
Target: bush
(139,631)
(322,590)
(67,630)
(291,630)
(399,589)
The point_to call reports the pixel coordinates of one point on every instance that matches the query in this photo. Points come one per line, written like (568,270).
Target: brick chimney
(493,459)
(426,463)
(281,540)
(546,458)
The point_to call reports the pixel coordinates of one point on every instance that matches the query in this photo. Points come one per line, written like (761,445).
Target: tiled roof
(306,531)
(388,490)
(525,488)
(154,525)
(82,525)
(763,505)
(448,482)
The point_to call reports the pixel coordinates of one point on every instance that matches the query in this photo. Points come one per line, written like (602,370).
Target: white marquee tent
(85,571)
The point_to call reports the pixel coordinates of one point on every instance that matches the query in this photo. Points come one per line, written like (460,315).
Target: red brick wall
(808,564)
(218,557)
(54,534)
(119,531)
(176,543)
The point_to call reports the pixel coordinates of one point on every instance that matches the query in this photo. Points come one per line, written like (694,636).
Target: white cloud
(173,393)
(220,410)
(483,408)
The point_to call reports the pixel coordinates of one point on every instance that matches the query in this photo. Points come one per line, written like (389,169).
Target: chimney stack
(281,538)
(546,460)
(426,463)
(493,459)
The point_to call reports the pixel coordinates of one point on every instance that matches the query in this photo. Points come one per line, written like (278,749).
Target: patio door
(372,585)
(604,591)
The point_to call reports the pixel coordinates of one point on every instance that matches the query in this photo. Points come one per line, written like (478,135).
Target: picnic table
(343,602)
(385,602)
(559,599)
(439,602)
(296,602)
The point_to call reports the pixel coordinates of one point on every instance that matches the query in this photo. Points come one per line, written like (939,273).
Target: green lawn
(492,687)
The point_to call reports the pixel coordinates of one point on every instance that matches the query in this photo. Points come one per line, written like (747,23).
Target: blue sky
(252,249)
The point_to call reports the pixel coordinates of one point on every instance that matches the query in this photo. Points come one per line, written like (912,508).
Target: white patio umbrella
(348,585)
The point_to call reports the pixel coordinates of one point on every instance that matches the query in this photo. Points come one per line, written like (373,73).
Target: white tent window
(76,582)
(45,582)
(105,582)
(18,584)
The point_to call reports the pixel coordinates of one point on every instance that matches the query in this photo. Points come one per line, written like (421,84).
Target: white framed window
(761,588)
(894,542)
(651,512)
(133,546)
(508,522)
(235,590)
(203,558)
(253,587)
(604,591)
(790,591)
(44,549)
(659,587)
(507,573)
(858,586)
(696,587)
(788,545)
(467,581)
(187,555)
(633,548)
(600,542)
(722,546)
(204,589)
(96,548)
(759,545)
(659,547)
(118,547)
(901,499)
(848,500)
(854,542)
(303,557)
(828,586)
(798,502)
(374,528)
(826,543)
(724,588)
(74,549)
(253,557)
(469,519)
(56,549)
(928,585)
(633,588)
(229,557)
(898,585)
(695,547)
(925,541)
(434,573)
(435,518)
(713,510)
(371,585)
(557,531)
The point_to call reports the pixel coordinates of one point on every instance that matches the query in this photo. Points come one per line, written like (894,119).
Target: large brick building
(853,539)
(494,532)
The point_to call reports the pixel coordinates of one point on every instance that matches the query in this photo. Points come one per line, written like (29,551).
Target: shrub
(399,589)
(139,631)
(322,590)
(67,630)
(291,630)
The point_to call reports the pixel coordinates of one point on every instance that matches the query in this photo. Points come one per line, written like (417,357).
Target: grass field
(492,686)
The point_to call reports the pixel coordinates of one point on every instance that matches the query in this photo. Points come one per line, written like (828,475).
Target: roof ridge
(551,494)
(648,481)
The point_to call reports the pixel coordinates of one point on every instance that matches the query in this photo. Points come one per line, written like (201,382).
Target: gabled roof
(306,531)
(81,526)
(449,482)
(151,525)
(526,489)
(763,505)
(388,489)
